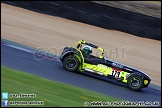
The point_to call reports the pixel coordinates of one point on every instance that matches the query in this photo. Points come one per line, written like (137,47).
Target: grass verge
(51,92)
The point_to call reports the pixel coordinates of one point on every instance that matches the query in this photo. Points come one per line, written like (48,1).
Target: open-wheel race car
(79,57)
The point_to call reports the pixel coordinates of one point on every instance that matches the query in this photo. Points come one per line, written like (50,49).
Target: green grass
(51,92)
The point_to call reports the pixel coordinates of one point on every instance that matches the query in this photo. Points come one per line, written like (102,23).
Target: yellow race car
(79,57)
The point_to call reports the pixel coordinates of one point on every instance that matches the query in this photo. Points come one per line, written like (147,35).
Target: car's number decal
(116,73)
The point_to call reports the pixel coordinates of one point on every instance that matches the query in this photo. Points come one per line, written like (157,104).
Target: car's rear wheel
(71,63)
(135,82)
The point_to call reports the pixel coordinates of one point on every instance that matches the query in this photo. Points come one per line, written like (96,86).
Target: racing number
(115,73)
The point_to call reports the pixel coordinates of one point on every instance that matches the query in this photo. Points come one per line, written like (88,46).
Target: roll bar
(89,44)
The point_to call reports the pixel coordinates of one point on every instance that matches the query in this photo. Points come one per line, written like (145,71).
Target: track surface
(53,70)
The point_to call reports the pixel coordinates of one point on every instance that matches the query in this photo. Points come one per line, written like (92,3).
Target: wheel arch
(143,76)
(135,73)
(71,53)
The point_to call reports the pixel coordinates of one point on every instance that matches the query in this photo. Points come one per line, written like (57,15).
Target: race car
(79,57)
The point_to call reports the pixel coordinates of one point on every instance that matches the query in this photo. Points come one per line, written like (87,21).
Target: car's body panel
(106,71)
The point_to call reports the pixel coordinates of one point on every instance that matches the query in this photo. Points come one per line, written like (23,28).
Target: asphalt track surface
(53,70)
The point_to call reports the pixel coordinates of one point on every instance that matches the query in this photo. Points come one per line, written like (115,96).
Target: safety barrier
(98,15)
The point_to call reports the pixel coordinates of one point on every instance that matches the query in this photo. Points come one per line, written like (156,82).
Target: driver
(87,50)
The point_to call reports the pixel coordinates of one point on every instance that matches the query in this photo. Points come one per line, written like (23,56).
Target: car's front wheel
(135,82)
(71,63)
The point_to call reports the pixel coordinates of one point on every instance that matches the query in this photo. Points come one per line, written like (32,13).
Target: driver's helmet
(87,49)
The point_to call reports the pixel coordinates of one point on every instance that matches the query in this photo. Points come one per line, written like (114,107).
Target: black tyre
(135,82)
(71,63)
